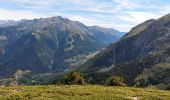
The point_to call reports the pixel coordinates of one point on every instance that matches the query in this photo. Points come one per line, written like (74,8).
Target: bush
(73,77)
(167,87)
(142,81)
(115,81)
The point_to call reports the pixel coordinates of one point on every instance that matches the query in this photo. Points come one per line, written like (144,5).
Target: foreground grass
(77,92)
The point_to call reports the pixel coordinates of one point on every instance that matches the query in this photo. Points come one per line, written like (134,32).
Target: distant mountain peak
(51,44)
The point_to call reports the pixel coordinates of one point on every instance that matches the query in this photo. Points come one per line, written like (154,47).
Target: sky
(118,14)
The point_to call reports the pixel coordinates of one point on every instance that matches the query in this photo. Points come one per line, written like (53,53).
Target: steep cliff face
(49,44)
(142,48)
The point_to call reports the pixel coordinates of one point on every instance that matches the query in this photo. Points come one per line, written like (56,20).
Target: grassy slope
(85,92)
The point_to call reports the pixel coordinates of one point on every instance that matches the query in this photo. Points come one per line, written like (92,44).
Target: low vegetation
(115,81)
(81,92)
(73,77)
(158,76)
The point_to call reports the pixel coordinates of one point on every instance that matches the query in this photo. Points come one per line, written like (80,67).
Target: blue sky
(118,14)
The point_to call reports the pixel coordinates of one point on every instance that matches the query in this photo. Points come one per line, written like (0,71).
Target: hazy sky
(118,14)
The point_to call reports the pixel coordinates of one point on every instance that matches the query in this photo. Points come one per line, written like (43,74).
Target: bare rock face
(50,44)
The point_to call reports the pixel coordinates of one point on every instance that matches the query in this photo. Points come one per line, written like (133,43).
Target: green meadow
(81,92)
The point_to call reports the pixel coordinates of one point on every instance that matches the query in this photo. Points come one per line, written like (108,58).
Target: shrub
(73,77)
(142,81)
(167,87)
(115,81)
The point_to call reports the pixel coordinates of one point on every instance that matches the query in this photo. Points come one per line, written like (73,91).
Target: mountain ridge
(135,53)
(55,43)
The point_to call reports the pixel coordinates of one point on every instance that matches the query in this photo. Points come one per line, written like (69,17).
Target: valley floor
(81,92)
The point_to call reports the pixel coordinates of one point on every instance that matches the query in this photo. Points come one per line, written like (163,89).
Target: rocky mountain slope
(53,44)
(141,56)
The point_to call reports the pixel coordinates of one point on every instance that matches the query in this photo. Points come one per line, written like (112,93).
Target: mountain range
(57,45)
(141,56)
(52,44)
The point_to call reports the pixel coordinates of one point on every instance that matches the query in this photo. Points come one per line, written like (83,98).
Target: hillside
(75,92)
(53,44)
(141,56)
